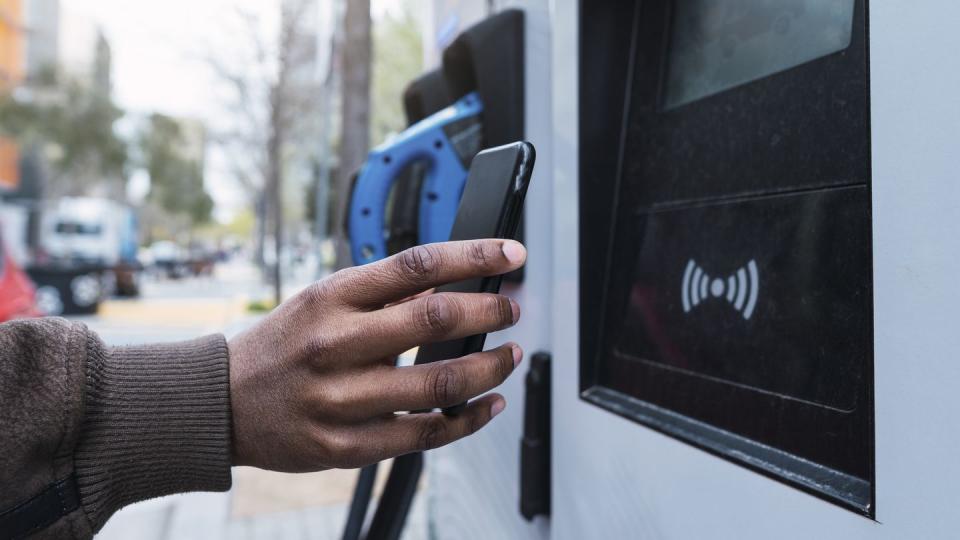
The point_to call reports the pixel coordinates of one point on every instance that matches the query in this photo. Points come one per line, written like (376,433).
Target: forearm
(120,424)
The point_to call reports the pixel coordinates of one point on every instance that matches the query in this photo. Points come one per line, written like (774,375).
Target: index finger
(423,267)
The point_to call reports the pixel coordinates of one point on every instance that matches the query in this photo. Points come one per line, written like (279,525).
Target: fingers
(427,386)
(408,433)
(422,267)
(434,318)
(427,292)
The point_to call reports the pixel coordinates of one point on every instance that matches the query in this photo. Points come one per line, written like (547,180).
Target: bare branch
(274,94)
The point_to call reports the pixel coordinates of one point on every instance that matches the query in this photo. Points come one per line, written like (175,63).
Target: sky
(159,51)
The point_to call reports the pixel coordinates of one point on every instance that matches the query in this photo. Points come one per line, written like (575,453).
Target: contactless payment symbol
(740,289)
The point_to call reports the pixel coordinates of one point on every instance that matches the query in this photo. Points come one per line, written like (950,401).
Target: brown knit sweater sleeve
(115,425)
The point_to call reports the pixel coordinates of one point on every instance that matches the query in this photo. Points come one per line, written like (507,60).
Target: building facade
(11,73)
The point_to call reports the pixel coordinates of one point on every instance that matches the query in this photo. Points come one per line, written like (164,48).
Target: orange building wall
(11,42)
(11,73)
(9,164)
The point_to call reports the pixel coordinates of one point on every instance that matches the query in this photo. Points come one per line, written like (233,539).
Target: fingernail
(514,310)
(517,355)
(514,251)
(497,407)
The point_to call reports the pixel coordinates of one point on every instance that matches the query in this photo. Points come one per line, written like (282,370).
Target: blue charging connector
(445,143)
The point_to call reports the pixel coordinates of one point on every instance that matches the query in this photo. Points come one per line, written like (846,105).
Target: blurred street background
(174,169)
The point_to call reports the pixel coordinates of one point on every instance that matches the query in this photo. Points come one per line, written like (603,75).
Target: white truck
(96,232)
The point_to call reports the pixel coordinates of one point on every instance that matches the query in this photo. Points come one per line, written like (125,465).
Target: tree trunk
(259,249)
(355,125)
(275,206)
(279,102)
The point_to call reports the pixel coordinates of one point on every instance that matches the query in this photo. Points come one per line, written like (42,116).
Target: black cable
(360,502)
(397,497)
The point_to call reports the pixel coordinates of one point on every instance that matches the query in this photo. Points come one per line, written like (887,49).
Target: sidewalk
(229,516)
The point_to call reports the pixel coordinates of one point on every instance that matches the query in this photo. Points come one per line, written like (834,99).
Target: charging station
(741,279)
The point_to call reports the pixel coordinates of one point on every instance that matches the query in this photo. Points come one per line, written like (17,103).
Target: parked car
(17,294)
(169,259)
(201,259)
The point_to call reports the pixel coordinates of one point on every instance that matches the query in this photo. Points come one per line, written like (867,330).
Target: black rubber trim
(41,510)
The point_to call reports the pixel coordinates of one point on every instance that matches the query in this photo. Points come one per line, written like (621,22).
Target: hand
(314,386)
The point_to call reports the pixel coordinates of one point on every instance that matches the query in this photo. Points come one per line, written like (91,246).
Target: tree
(355,123)
(176,177)
(73,125)
(271,96)
(397,60)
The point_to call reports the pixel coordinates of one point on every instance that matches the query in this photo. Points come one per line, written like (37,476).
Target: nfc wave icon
(740,289)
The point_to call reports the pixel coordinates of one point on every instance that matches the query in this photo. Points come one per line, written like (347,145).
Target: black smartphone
(490,207)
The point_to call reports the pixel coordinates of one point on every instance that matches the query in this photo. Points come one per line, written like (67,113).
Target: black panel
(760,293)
(798,129)
(488,58)
(792,374)
(425,95)
(726,280)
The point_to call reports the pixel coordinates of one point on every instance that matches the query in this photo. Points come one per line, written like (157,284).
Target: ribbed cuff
(156,422)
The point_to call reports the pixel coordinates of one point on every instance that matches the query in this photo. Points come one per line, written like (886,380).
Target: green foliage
(397,60)
(260,306)
(242,225)
(74,123)
(176,178)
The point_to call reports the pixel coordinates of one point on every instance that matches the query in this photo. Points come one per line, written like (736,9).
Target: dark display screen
(719,45)
(726,260)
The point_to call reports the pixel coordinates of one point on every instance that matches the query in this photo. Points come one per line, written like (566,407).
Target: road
(261,504)
(170,310)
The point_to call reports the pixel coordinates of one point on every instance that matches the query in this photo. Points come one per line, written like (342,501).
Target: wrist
(156,422)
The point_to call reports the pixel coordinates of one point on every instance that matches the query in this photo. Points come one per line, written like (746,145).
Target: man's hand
(313,386)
